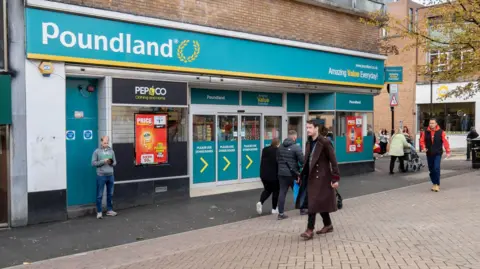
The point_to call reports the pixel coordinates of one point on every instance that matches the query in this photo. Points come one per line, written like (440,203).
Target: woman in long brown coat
(318,181)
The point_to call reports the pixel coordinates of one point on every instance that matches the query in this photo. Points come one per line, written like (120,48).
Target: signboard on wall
(354,134)
(148,92)
(393,74)
(215,97)
(58,36)
(262,99)
(151,146)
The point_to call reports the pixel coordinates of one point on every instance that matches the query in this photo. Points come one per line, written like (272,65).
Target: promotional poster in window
(354,134)
(151,139)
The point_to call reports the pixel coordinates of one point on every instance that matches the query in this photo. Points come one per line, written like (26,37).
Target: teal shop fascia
(57,36)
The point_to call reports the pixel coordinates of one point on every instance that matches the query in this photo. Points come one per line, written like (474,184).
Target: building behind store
(455,115)
(407,12)
(189,97)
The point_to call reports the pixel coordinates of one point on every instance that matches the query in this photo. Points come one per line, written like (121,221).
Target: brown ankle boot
(326,229)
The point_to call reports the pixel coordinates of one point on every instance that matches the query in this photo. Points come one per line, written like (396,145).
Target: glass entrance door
(250,146)
(227,147)
(203,149)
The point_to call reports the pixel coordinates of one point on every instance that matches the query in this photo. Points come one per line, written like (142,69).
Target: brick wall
(286,19)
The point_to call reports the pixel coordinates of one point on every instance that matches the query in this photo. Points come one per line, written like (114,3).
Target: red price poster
(354,134)
(151,139)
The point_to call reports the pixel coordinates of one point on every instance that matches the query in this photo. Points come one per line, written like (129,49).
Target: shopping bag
(296,188)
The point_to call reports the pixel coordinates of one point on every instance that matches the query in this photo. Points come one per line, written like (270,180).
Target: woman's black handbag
(339,200)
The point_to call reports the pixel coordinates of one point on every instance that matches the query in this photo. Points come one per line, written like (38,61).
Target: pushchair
(412,162)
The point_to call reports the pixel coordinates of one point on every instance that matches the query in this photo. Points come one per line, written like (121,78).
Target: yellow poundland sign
(205,165)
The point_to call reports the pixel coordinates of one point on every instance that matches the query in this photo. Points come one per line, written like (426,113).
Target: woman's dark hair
(275,142)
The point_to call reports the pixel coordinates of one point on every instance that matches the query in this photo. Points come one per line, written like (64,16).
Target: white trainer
(259,208)
(99,215)
(274,211)
(111,213)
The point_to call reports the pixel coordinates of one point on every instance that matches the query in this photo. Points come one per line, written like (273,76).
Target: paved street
(409,227)
(51,240)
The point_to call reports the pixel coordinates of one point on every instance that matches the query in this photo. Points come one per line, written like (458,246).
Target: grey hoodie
(290,153)
(98,161)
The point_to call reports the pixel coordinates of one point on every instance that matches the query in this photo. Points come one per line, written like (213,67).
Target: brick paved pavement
(399,229)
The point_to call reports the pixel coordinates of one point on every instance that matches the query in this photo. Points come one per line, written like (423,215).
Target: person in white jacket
(397,145)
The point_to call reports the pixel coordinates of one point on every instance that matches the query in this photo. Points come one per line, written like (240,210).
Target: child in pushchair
(412,162)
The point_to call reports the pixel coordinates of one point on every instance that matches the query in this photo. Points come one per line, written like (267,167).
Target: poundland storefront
(189,108)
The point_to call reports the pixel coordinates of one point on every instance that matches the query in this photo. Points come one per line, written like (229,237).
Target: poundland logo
(354,102)
(120,43)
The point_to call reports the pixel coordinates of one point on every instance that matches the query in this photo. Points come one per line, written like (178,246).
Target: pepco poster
(151,139)
(354,134)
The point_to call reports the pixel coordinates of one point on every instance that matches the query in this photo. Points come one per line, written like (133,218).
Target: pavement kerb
(413,185)
(213,227)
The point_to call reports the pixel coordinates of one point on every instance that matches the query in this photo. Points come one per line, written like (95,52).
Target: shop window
(367,123)
(295,123)
(203,128)
(272,127)
(451,117)
(123,123)
(327,119)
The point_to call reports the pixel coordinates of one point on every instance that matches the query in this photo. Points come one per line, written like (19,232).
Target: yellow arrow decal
(205,166)
(228,163)
(251,161)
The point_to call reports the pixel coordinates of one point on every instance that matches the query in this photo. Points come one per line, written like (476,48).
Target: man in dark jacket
(290,159)
(434,141)
(268,175)
(471,135)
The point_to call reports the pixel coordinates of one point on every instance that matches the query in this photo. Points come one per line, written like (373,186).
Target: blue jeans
(434,168)
(101,182)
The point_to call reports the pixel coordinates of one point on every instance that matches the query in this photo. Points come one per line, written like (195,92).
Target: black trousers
(312,219)
(270,187)
(285,183)
(392,163)
(383,147)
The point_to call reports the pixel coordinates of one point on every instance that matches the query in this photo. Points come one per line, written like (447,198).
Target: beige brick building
(405,10)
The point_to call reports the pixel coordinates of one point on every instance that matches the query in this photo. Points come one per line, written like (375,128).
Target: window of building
(467,57)
(439,60)
(451,117)
(410,19)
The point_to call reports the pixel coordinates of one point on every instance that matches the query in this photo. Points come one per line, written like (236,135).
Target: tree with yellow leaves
(452,30)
